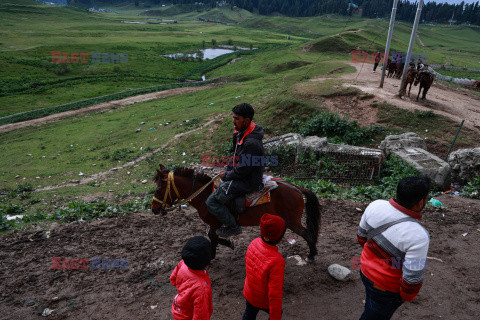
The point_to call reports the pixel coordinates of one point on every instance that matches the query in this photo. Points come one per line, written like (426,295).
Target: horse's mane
(186,173)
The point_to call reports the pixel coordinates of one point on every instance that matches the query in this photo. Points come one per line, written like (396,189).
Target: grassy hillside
(275,79)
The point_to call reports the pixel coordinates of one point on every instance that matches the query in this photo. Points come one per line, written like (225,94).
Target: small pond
(207,53)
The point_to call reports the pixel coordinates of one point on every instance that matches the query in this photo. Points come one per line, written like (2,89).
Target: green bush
(327,124)
(472,189)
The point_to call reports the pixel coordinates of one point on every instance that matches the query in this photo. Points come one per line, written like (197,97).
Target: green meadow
(288,52)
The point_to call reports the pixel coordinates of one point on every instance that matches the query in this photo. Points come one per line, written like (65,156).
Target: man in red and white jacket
(395,248)
(265,268)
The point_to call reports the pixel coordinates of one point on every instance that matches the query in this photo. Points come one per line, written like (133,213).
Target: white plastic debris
(153,307)
(46,312)
(138,130)
(339,272)
(300,261)
(291,241)
(20,216)
(81,173)
(184,206)
(144,181)
(465,234)
(183,153)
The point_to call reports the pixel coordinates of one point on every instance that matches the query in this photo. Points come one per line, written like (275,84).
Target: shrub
(326,124)
(472,189)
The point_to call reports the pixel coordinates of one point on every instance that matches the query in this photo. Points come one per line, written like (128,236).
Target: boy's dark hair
(410,190)
(245,110)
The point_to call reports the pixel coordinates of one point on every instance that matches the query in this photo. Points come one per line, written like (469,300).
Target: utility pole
(389,40)
(410,46)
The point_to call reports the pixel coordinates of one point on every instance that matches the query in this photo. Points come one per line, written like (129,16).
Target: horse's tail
(313,214)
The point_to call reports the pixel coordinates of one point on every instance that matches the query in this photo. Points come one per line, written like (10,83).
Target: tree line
(431,12)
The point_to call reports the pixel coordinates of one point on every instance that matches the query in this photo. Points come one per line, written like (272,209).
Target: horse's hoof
(310,260)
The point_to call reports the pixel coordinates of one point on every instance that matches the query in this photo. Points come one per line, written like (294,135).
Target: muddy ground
(152,245)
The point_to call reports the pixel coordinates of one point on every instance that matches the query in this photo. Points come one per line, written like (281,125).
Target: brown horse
(399,72)
(426,80)
(392,68)
(286,202)
(409,79)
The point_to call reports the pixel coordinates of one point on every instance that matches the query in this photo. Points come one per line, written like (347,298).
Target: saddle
(238,205)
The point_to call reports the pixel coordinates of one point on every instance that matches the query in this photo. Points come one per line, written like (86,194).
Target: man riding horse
(244,172)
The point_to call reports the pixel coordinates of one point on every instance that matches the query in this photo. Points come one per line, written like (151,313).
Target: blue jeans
(251,312)
(379,304)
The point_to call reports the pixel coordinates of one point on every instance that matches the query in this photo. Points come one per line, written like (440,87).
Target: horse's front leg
(410,88)
(419,89)
(215,240)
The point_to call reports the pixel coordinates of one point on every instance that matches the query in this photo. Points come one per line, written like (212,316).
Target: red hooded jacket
(265,274)
(194,298)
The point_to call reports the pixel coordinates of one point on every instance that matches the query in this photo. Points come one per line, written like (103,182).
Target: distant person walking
(377,61)
(395,248)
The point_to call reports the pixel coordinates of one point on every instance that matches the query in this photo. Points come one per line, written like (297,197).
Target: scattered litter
(128,172)
(81,174)
(291,241)
(433,258)
(183,153)
(138,130)
(187,120)
(46,312)
(300,261)
(238,97)
(110,190)
(17,176)
(142,122)
(359,210)
(152,128)
(43,156)
(29,155)
(339,272)
(183,161)
(465,234)
(94,164)
(426,130)
(47,234)
(153,307)
(210,104)
(144,181)
(37,177)
(184,206)
(14,217)
(435,203)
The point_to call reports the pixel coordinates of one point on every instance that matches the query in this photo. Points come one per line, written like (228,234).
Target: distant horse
(399,72)
(426,80)
(286,202)
(392,68)
(409,79)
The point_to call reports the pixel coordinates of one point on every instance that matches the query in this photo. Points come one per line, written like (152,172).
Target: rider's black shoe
(225,232)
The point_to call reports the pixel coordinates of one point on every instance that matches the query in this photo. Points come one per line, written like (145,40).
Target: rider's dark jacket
(245,170)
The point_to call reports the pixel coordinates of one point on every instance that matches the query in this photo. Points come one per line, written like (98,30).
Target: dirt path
(457,104)
(101,175)
(152,245)
(103,106)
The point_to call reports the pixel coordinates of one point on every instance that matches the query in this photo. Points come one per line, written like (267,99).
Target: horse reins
(171,182)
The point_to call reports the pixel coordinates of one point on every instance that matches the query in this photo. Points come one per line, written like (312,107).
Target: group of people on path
(394,243)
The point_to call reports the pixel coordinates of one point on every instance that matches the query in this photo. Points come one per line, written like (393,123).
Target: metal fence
(344,168)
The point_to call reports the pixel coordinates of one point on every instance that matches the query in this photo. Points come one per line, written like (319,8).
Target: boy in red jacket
(194,298)
(265,267)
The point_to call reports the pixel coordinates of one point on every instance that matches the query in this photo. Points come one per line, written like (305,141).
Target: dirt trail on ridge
(102,106)
(457,104)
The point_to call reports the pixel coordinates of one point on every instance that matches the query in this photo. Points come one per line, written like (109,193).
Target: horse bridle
(171,182)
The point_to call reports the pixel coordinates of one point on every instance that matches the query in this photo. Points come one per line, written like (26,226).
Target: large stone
(339,272)
(465,165)
(310,145)
(427,164)
(283,140)
(401,142)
